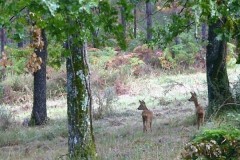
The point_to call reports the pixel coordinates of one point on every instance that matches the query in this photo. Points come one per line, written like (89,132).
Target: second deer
(200,112)
(147,116)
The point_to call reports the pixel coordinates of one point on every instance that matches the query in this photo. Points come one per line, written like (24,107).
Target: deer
(147,116)
(200,112)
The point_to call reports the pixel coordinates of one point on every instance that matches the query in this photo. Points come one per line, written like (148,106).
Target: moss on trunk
(81,140)
(217,79)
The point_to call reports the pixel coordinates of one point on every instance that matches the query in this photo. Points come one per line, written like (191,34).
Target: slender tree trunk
(123,21)
(176,39)
(39,112)
(2,51)
(149,20)
(204,32)
(95,39)
(135,21)
(20,44)
(80,133)
(2,36)
(2,40)
(217,78)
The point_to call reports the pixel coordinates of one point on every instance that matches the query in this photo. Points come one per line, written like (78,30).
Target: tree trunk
(2,40)
(80,133)
(95,40)
(20,44)
(217,78)
(39,112)
(2,51)
(123,21)
(204,32)
(149,20)
(135,22)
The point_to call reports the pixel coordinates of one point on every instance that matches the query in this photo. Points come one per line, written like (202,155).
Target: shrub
(17,88)
(100,57)
(5,118)
(184,52)
(56,83)
(104,102)
(214,144)
(233,119)
(236,90)
(231,60)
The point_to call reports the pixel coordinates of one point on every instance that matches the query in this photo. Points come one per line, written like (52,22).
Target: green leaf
(52,6)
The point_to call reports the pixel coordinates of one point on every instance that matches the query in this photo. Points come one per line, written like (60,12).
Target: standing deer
(200,112)
(147,116)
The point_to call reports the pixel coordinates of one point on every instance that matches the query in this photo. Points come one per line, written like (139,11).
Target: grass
(119,135)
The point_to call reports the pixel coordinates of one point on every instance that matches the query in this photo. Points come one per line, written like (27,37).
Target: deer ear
(191,93)
(140,101)
(194,93)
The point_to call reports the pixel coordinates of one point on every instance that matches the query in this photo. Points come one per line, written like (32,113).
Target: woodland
(120,79)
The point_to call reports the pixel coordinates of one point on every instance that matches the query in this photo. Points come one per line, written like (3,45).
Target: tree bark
(204,32)
(39,111)
(2,39)
(149,20)
(123,21)
(20,44)
(95,40)
(217,79)
(80,132)
(135,21)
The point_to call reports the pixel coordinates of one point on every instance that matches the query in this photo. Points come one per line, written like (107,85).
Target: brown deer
(200,112)
(147,116)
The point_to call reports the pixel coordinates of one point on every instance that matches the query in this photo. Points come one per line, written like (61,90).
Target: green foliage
(214,144)
(236,90)
(55,54)
(100,57)
(231,60)
(185,51)
(18,57)
(135,61)
(196,13)
(133,43)
(233,119)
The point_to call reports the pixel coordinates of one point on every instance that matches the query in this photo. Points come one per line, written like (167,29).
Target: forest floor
(118,134)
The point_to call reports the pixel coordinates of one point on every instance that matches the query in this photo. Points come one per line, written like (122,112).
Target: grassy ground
(119,135)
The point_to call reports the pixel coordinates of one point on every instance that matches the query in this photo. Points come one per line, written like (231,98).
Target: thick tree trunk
(149,20)
(80,133)
(217,78)
(39,112)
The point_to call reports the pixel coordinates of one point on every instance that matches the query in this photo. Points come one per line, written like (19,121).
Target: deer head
(142,105)
(194,96)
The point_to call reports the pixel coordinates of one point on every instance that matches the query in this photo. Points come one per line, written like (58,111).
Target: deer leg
(144,126)
(150,126)
(198,122)
(202,121)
